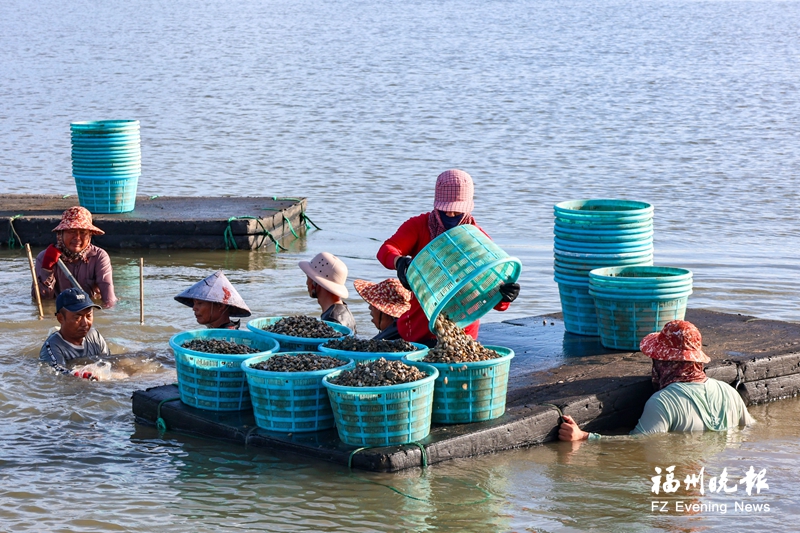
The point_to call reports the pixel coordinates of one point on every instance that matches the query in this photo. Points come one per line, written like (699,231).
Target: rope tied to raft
(12,232)
(424,464)
(160,423)
(230,241)
(557,408)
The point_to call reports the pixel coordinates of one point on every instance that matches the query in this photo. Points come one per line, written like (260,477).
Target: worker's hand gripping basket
(459,273)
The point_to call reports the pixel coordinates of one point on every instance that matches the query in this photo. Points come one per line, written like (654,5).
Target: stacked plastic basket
(593,234)
(632,302)
(106,164)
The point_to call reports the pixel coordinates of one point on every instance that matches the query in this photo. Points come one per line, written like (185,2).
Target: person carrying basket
(452,206)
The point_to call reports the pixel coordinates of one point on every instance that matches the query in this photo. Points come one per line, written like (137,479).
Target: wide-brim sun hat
(679,340)
(454,192)
(78,218)
(328,271)
(216,289)
(388,296)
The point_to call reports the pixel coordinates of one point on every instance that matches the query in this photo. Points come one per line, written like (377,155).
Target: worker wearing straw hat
(88,264)
(687,399)
(387,300)
(214,301)
(452,206)
(326,275)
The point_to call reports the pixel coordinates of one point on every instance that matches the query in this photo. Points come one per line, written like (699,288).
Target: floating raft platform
(163,222)
(553,370)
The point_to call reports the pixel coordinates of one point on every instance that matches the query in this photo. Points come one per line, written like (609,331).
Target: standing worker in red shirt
(452,206)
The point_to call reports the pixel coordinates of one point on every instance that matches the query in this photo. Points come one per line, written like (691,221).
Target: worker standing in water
(214,301)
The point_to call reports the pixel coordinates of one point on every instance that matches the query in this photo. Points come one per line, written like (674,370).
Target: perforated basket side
(382,416)
(622,324)
(289,401)
(470,392)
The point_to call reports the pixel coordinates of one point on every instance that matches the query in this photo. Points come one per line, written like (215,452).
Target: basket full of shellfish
(382,402)
(286,389)
(473,379)
(208,364)
(370,350)
(298,333)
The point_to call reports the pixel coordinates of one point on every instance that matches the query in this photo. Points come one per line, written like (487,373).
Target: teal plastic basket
(577,306)
(372,356)
(290,402)
(459,273)
(622,324)
(469,392)
(603,211)
(107,195)
(216,382)
(383,416)
(632,302)
(294,344)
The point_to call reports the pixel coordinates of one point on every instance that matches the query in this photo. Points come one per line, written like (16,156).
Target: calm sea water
(689,105)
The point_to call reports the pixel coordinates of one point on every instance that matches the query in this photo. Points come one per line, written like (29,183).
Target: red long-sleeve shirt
(409,239)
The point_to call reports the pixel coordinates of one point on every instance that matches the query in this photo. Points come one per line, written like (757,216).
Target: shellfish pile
(218,346)
(455,346)
(302,362)
(306,327)
(378,373)
(351,344)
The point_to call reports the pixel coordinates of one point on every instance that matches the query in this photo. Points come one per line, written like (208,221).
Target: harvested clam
(217,346)
(302,362)
(306,327)
(455,346)
(351,344)
(378,373)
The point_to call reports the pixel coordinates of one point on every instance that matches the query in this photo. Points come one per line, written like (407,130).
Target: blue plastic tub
(643,245)
(577,306)
(372,356)
(104,126)
(604,210)
(383,416)
(632,302)
(622,324)
(107,195)
(469,392)
(290,401)
(459,273)
(294,344)
(216,382)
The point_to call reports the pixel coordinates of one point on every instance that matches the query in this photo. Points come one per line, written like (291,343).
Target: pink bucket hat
(388,296)
(454,191)
(678,341)
(328,271)
(78,218)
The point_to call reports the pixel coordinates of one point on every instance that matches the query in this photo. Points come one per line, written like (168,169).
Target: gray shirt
(340,314)
(59,353)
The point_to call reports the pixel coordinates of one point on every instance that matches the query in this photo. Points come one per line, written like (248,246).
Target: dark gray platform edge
(760,379)
(162,222)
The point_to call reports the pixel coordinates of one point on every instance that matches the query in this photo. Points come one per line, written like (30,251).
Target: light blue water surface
(689,105)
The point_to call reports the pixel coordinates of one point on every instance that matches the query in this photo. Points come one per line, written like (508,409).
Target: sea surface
(692,106)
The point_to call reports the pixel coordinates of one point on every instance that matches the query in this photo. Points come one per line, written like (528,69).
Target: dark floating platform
(163,221)
(601,388)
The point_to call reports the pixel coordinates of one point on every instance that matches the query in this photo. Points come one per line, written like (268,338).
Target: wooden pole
(141,290)
(35,281)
